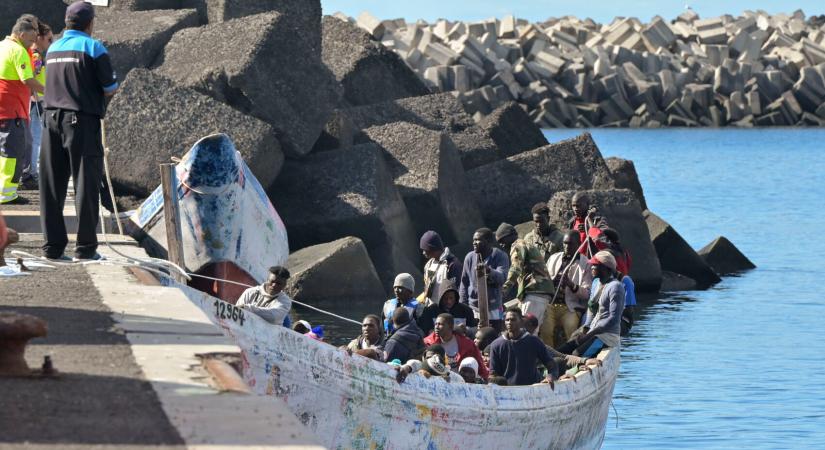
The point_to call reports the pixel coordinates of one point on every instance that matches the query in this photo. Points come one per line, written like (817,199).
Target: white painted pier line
(166,331)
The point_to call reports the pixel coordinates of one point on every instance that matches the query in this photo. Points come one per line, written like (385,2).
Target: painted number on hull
(228,311)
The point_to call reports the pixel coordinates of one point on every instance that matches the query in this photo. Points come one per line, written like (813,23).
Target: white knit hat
(404,280)
(469,362)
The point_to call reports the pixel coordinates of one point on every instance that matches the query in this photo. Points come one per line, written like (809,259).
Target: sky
(538,10)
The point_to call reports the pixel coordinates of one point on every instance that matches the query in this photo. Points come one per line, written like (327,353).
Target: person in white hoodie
(269,301)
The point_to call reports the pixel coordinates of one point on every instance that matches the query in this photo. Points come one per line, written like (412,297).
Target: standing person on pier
(45,37)
(495,265)
(80,79)
(17,82)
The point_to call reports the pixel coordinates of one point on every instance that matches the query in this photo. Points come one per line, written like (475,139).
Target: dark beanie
(431,241)
(80,13)
(504,230)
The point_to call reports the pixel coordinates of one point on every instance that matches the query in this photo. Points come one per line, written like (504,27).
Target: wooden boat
(352,402)
(230,229)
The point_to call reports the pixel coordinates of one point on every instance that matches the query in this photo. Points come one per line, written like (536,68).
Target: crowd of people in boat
(554,300)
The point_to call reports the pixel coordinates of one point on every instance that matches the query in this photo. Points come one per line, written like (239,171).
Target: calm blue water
(741,365)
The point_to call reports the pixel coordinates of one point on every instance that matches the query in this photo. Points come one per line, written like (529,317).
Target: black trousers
(71,147)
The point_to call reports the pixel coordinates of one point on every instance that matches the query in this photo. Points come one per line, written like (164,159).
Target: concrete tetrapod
(676,255)
(368,72)
(427,171)
(339,193)
(506,190)
(137,38)
(724,257)
(176,123)
(338,271)
(256,65)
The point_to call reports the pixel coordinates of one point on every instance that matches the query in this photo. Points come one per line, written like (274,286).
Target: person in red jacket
(458,347)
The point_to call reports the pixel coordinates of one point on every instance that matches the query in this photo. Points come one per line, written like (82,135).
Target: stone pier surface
(128,374)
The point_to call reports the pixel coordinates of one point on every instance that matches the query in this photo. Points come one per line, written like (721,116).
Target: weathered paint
(352,402)
(227,217)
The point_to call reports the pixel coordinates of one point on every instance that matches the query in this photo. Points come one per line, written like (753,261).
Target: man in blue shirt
(403,287)
(515,353)
(80,79)
(496,264)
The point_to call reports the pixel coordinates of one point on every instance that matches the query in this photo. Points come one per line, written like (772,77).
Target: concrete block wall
(568,72)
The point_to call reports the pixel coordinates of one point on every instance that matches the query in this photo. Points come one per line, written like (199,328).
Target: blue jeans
(32,169)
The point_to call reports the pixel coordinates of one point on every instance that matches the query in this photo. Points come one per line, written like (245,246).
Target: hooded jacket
(459,311)
(405,343)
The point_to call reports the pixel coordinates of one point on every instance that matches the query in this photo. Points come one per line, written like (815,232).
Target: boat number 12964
(228,311)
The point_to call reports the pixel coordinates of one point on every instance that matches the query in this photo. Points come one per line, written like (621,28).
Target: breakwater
(750,70)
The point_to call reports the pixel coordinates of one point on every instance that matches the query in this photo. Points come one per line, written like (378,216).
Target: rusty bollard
(15,332)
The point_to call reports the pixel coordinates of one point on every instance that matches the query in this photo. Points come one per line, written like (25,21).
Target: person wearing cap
(448,302)
(302,326)
(572,289)
(17,82)
(603,322)
(456,346)
(269,301)
(506,235)
(441,265)
(403,287)
(80,80)
(468,369)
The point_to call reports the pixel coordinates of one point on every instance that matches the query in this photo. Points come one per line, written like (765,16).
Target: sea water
(741,365)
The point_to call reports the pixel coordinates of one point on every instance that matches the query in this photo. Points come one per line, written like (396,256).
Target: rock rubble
(750,70)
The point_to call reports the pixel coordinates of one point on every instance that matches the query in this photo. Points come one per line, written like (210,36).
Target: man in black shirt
(514,354)
(80,78)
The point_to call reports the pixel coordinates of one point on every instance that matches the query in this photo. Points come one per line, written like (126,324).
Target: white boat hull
(352,402)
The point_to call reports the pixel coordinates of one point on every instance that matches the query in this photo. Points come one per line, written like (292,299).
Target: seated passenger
(371,337)
(269,301)
(610,238)
(628,316)
(456,346)
(403,286)
(514,354)
(407,342)
(485,336)
(433,363)
(531,323)
(448,303)
(468,369)
(302,326)
(604,310)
